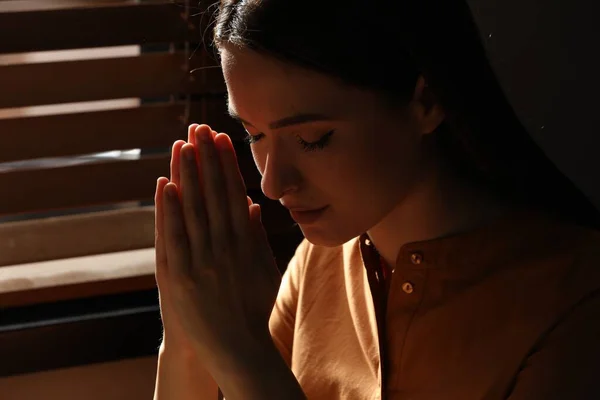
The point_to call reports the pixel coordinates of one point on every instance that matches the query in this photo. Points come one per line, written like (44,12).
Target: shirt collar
(493,244)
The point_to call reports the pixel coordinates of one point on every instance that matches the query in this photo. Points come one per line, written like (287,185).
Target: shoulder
(582,274)
(565,360)
(539,245)
(554,271)
(574,252)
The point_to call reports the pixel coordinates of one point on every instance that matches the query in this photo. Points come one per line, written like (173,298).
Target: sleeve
(566,365)
(283,316)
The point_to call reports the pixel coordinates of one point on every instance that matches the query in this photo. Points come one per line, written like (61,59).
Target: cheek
(394,151)
(378,171)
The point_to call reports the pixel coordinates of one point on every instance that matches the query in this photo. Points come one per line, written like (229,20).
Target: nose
(279,175)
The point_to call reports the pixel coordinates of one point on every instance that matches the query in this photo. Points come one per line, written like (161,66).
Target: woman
(445,256)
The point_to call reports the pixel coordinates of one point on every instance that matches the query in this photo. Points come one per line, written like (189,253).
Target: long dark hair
(385,45)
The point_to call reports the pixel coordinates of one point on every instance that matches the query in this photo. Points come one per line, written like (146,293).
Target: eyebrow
(292,120)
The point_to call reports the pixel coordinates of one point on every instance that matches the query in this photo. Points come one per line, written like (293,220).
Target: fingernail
(189,154)
(171,192)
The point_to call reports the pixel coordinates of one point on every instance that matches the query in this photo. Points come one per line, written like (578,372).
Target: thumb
(256,213)
(261,240)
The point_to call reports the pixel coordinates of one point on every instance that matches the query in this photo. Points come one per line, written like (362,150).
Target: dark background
(545,54)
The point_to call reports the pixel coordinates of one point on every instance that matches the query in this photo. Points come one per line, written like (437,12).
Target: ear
(425,110)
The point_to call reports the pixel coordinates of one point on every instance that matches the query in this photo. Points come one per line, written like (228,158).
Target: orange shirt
(508,311)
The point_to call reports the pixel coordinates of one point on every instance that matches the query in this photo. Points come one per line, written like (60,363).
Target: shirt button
(408,287)
(416,258)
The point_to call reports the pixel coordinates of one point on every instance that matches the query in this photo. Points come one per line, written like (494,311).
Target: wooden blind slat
(76,235)
(99,232)
(283,247)
(45,25)
(82,185)
(118,341)
(92,184)
(148,127)
(152,126)
(148,75)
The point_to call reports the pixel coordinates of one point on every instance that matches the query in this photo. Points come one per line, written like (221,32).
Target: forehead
(259,84)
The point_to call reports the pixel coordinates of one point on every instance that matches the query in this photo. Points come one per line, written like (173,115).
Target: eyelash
(308,146)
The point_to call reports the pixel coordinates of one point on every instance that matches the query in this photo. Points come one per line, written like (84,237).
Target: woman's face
(371,153)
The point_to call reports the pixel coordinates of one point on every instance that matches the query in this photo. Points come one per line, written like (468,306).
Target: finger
(191,133)
(176,239)
(249,201)
(159,245)
(215,199)
(261,243)
(236,189)
(191,137)
(161,268)
(175,162)
(258,229)
(194,212)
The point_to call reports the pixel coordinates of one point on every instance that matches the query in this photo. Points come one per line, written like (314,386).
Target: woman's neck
(438,206)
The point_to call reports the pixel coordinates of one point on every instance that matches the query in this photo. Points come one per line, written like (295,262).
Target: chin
(321,236)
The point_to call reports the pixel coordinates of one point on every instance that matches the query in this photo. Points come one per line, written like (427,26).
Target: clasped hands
(215,270)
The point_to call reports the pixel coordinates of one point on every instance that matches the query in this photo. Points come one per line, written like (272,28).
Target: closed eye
(318,145)
(250,139)
(308,146)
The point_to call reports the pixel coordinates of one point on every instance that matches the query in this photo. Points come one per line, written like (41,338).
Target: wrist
(175,352)
(182,376)
(257,372)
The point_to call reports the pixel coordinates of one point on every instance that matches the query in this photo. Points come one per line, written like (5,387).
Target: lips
(307,216)
(300,209)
